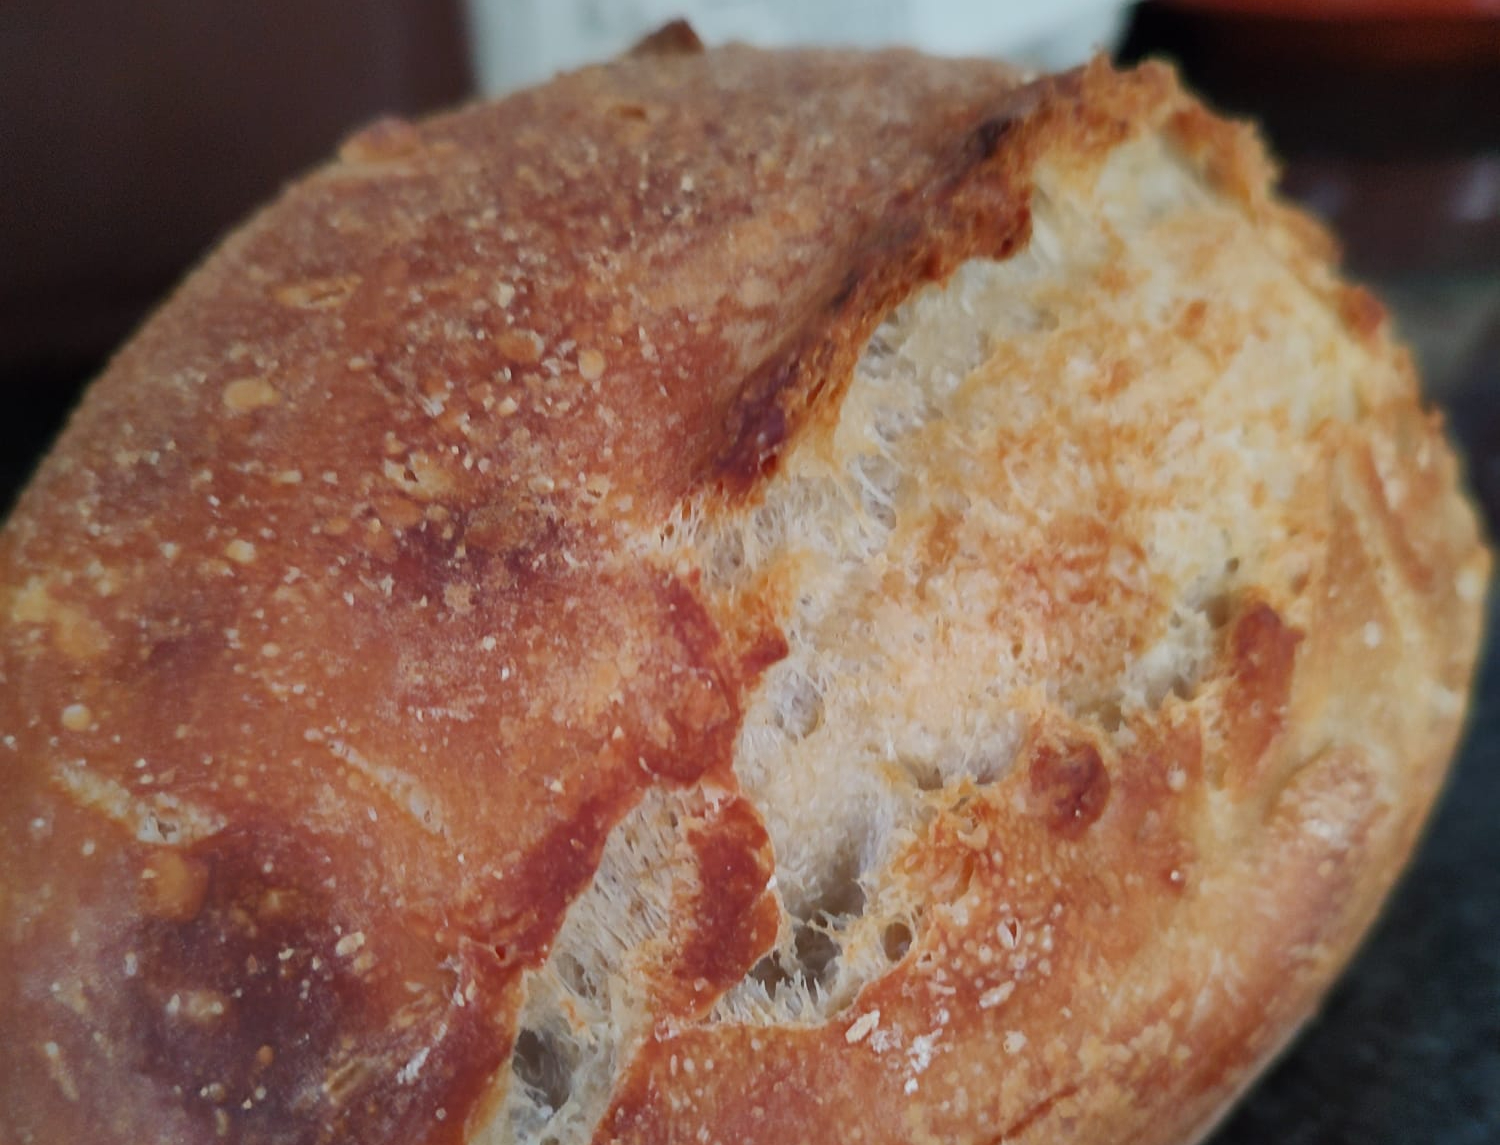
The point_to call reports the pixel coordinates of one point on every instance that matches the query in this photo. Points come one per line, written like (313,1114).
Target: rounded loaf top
(732,596)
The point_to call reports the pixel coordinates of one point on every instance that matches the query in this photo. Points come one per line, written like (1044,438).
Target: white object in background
(521,42)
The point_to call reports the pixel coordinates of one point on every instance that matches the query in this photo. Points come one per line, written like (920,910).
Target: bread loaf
(734,596)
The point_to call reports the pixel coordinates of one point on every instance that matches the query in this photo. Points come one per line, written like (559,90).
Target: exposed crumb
(240,551)
(413,1068)
(317,293)
(590,365)
(1469,584)
(862,1027)
(919,1053)
(248,394)
(523,346)
(996,995)
(350,944)
(57,1066)
(1008,932)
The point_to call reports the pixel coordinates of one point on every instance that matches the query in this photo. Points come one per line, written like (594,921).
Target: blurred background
(133,134)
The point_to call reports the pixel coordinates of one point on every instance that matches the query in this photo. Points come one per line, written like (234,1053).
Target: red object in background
(1402,32)
(133,135)
(1351,9)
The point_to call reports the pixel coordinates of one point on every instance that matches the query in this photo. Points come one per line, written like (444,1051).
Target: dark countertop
(1407,1048)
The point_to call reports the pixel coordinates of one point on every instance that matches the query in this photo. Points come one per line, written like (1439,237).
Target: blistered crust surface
(327,669)
(344,625)
(1183,533)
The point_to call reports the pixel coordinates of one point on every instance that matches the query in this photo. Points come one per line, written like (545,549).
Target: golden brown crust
(328,666)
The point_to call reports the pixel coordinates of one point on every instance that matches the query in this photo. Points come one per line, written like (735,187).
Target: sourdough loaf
(734,596)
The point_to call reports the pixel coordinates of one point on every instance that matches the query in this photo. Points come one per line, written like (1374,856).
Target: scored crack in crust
(733,596)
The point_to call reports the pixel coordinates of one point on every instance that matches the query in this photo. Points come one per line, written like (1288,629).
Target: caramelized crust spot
(1070,784)
(1261,652)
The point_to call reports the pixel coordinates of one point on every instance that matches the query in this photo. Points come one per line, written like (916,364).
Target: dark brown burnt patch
(254,995)
(1069,785)
(735,916)
(1259,655)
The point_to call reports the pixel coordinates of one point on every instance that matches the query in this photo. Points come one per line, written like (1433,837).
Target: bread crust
(331,657)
